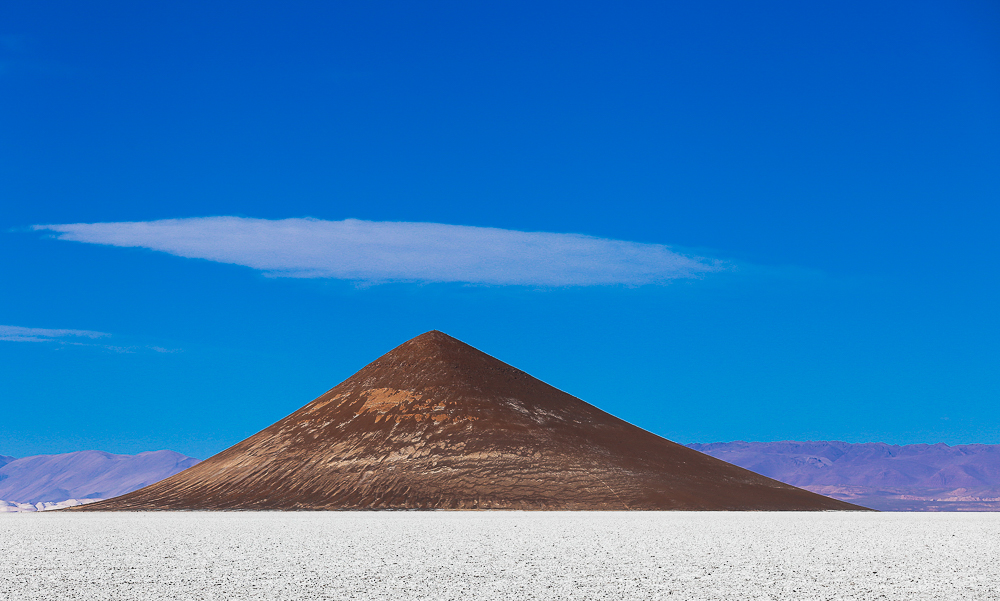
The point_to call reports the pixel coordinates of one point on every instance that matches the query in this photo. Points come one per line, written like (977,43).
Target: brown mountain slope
(437,424)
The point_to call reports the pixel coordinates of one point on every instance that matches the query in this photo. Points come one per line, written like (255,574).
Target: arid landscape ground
(506,555)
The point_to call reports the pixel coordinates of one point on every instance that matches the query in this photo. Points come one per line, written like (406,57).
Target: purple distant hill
(918,477)
(84,475)
(4,460)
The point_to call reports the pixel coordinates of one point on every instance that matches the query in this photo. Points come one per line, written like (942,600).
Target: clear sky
(717,220)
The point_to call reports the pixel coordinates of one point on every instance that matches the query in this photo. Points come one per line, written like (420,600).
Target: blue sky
(717,220)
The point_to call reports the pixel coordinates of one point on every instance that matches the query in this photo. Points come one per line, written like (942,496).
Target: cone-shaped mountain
(437,424)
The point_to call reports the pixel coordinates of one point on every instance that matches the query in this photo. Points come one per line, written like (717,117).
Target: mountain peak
(438,424)
(431,346)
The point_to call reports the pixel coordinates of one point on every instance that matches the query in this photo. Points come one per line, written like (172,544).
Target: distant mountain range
(72,478)
(917,477)
(888,477)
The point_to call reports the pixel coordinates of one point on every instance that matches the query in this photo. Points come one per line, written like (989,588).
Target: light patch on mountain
(8,507)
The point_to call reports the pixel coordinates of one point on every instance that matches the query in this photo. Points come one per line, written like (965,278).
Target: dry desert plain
(499,555)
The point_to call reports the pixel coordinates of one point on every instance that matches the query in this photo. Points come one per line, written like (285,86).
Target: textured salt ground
(499,555)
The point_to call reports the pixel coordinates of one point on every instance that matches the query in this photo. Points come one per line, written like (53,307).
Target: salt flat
(499,555)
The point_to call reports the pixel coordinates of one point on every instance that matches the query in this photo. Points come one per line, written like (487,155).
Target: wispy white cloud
(19,334)
(160,349)
(73,338)
(370,251)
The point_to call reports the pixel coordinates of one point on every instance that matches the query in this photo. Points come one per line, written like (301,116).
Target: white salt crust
(13,507)
(499,555)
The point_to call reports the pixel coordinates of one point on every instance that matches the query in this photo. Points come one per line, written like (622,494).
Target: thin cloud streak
(20,334)
(374,252)
(67,338)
